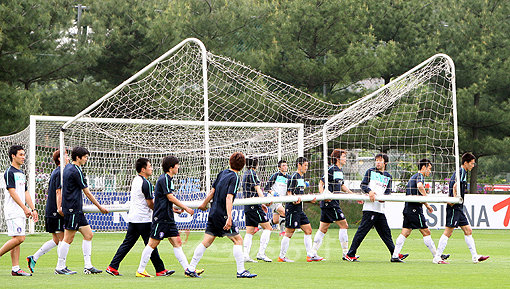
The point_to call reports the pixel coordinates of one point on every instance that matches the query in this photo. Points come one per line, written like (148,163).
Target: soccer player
(277,186)
(295,217)
(73,184)
(163,222)
(54,215)
(219,223)
(18,206)
(455,216)
(377,181)
(140,215)
(413,212)
(330,209)
(254,215)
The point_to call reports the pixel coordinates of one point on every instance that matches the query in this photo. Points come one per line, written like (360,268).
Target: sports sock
(146,255)
(308,245)
(87,252)
(471,245)
(197,255)
(399,243)
(430,244)
(238,255)
(44,249)
(282,224)
(248,239)
(284,246)
(317,241)
(179,254)
(15,268)
(63,249)
(441,245)
(344,240)
(264,240)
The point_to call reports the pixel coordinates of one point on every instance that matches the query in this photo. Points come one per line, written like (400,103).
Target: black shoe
(91,270)
(246,274)
(191,274)
(445,256)
(396,260)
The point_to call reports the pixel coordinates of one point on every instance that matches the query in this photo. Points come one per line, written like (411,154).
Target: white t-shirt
(141,190)
(15,179)
(378,183)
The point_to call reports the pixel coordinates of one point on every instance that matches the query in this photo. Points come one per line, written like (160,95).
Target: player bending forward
(455,216)
(219,223)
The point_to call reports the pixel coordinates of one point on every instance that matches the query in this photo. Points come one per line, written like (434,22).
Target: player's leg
(443,241)
(281,211)
(248,240)
(146,254)
(63,250)
(129,241)
(310,254)
(367,222)
(264,240)
(145,231)
(319,236)
(399,243)
(10,244)
(238,256)
(427,240)
(286,242)
(46,247)
(15,252)
(178,252)
(86,246)
(343,237)
(384,231)
(199,252)
(468,237)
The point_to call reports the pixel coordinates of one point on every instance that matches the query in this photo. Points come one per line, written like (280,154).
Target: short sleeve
(168,187)
(58,181)
(233,185)
(147,190)
(80,179)
(9,180)
(216,181)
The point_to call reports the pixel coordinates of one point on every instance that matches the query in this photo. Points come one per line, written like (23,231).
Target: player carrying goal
(277,186)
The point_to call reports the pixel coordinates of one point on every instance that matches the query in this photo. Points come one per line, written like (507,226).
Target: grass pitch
(374,270)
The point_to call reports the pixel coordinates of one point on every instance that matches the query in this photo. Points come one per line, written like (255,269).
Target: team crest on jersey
(342,215)
(161,234)
(236,229)
(18,229)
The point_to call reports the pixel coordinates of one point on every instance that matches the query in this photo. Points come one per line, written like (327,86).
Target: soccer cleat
(343,257)
(199,271)
(144,274)
(112,271)
(264,258)
(315,258)
(285,259)
(396,260)
(249,260)
(438,260)
(165,273)
(64,271)
(282,234)
(192,274)
(445,256)
(91,270)
(20,273)
(402,256)
(31,263)
(246,274)
(480,258)
(351,259)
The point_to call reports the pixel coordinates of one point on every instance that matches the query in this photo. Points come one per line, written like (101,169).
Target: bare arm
(150,203)
(179,204)
(346,189)
(33,213)
(91,197)
(207,200)
(422,191)
(58,194)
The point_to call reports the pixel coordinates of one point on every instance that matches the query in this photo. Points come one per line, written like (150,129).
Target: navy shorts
(331,215)
(255,217)
(160,231)
(455,218)
(74,221)
(414,221)
(54,225)
(295,220)
(215,226)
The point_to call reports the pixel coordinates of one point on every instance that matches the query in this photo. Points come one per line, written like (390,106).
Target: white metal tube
(206,119)
(31,167)
(325,158)
(301,141)
(279,144)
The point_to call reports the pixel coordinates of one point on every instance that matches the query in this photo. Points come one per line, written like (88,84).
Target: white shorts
(273,208)
(16,227)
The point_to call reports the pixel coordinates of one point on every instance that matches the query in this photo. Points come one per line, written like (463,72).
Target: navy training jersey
(227,182)
(335,182)
(51,201)
(412,190)
(277,183)
(74,183)
(250,181)
(295,185)
(163,208)
(463,187)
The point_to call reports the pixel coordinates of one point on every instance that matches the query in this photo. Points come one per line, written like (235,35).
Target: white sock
(399,243)
(430,244)
(344,240)
(87,252)
(284,247)
(238,255)
(248,239)
(471,245)
(441,245)
(44,249)
(179,254)
(197,255)
(63,249)
(308,245)
(15,268)
(264,240)
(146,255)
(317,241)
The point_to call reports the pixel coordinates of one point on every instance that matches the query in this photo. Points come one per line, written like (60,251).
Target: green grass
(375,270)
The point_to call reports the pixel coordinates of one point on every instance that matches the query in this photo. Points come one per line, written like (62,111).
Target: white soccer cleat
(264,258)
(249,260)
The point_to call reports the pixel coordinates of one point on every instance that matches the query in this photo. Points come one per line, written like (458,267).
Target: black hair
(383,156)
(336,154)
(79,152)
(169,162)
(141,163)
(13,151)
(281,162)
(468,157)
(252,162)
(424,162)
(301,161)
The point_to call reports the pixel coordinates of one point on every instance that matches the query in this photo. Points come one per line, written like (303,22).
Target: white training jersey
(141,190)
(14,179)
(379,184)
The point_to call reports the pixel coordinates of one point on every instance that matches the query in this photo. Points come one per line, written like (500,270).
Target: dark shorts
(160,231)
(414,221)
(215,226)
(74,221)
(331,215)
(54,225)
(294,220)
(455,218)
(255,217)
